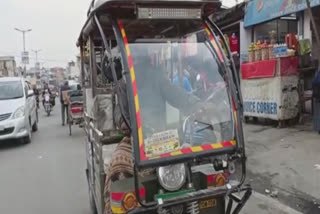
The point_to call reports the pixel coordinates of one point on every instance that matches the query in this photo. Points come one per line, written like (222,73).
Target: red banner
(268,68)
(261,69)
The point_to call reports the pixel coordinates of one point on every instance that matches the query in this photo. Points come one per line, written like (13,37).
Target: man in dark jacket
(64,102)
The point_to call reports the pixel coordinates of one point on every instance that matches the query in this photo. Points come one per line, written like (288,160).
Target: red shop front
(270,88)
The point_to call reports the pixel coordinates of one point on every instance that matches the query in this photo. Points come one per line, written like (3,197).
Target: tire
(27,139)
(35,126)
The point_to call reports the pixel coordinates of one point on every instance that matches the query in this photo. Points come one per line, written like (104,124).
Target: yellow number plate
(208,203)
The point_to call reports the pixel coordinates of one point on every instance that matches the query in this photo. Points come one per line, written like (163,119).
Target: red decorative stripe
(135,91)
(125,40)
(138,119)
(227,144)
(206,147)
(210,179)
(120,25)
(186,150)
(130,62)
(213,41)
(215,45)
(203,148)
(142,154)
(165,155)
(142,192)
(134,86)
(117,196)
(233,105)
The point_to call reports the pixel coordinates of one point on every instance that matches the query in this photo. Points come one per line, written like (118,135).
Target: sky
(55,25)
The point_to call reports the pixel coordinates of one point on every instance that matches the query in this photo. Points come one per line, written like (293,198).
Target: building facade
(8,66)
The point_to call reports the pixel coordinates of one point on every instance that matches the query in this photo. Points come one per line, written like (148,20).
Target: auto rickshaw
(159,65)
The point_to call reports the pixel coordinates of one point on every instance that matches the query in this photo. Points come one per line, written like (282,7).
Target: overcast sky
(55,27)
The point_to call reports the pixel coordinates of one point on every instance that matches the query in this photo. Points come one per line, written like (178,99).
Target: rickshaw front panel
(182,105)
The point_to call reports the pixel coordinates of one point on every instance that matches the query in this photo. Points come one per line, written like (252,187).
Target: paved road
(47,175)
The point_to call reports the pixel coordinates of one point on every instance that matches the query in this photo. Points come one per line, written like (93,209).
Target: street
(47,175)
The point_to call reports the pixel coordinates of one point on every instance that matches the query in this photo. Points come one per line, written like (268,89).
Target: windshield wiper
(208,126)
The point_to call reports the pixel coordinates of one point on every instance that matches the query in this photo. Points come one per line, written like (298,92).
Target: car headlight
(172,177)
(18,113)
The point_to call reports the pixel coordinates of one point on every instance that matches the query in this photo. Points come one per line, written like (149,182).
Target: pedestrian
(316,102)
(64,102)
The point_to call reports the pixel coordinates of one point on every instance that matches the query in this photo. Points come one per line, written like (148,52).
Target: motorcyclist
(45,90)
(37,94)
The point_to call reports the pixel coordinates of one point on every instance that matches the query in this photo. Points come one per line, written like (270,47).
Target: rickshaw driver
(155,89)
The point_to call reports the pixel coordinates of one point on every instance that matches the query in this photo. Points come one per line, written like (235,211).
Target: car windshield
(11,90)
(182,92)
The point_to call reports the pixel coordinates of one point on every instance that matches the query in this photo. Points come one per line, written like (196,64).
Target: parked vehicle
(18,109)
(152,146)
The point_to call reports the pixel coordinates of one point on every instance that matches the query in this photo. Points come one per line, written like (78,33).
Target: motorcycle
(47,103)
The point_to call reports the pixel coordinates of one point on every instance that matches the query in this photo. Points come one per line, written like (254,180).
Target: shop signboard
(272,98)
(259,11)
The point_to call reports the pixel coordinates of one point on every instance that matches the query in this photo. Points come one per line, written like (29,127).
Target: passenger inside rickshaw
(164,64)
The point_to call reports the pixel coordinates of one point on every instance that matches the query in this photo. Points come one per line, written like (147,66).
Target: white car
(18,109)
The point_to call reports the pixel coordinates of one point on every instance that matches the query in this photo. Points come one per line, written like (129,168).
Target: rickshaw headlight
(172,177)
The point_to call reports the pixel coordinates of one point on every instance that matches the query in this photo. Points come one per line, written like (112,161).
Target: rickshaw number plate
(208,203)
(162,143)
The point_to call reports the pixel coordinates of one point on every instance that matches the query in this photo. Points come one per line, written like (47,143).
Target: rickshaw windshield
(182,96)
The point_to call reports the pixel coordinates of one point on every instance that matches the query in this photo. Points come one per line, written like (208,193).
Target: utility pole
(24,48)
(37,64)
(36,52)
(315,28)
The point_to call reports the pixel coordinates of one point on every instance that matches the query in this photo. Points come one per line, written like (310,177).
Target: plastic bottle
(285,49)
(276,50)
(281,50)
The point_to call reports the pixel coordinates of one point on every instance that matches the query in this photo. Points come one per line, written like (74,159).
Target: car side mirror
(30,93)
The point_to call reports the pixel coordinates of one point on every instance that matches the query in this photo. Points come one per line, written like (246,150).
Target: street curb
(275,203)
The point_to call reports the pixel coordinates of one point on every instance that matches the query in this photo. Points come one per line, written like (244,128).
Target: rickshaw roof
(96,5)
(102,6)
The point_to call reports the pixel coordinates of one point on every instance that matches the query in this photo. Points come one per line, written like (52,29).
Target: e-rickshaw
(159,65)
(75,109)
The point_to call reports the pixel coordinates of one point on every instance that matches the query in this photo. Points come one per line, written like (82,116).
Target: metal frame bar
(237,89)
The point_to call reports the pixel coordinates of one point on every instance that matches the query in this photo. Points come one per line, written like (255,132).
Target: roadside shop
(280,62)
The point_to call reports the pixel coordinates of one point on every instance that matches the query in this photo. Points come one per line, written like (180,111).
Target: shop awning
(259,11)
